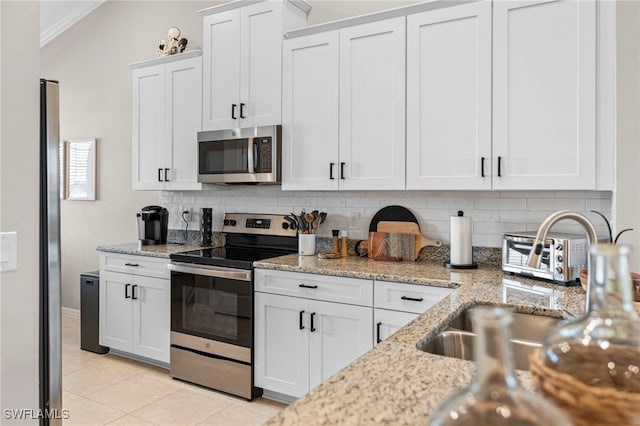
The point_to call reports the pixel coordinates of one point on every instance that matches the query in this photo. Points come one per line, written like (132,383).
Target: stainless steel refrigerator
(50,328)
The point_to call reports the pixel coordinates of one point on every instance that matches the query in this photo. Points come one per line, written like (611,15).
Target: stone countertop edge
(159,250)
(395,382)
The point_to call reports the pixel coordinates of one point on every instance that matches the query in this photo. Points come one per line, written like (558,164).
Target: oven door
(212,303)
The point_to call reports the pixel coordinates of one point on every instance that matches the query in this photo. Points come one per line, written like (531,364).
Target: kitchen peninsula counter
(396,383)
(157,250)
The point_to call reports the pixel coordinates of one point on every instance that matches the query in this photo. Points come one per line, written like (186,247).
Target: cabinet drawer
(137,265)
(317,287)
(408,297)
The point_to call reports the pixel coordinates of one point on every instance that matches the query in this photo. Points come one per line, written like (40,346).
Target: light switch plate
(8,251)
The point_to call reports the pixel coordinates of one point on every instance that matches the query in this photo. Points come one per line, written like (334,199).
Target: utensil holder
(306,244)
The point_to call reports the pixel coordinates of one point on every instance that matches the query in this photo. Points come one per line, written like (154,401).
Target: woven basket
(586,405)
(584,277)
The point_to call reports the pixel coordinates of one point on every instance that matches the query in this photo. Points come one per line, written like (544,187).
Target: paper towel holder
(471,265)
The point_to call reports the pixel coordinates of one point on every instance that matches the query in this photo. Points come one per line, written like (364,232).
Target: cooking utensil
(308,217)
(409,228)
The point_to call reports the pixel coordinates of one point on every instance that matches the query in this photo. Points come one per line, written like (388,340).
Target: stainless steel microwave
(249,155)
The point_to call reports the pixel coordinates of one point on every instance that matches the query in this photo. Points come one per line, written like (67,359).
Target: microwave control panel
(265,154)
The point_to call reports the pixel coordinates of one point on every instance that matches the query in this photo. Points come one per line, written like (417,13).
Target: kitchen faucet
(538,245)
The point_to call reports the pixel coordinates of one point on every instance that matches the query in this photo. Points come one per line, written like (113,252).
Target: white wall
(492,212)
(91,62)
(19,119)
(627,197)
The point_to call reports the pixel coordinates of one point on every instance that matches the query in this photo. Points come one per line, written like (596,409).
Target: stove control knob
(285,225)
(226,222)
(559,247)
(559,269)
(232,222)
(559,258)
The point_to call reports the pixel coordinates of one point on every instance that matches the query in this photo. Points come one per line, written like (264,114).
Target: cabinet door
(116,310)
(261,64)
(340,334)
(388,322)
(151,317)
(544,70)
(281,351)
(148,130)
(221,70)
(372,105)
(449,98)
(310,113)
(183,97)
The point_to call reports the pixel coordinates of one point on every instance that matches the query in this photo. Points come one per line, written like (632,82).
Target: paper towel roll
(461,240)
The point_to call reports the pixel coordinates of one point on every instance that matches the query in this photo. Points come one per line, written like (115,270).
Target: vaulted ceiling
(56,16)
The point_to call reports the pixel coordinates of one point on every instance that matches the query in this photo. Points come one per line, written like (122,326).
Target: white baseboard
(70,312)
(278,397)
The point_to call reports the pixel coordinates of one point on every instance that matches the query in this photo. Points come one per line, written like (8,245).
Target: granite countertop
(159,250)
(395,382)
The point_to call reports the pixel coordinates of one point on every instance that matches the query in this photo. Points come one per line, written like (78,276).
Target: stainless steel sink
(458,338)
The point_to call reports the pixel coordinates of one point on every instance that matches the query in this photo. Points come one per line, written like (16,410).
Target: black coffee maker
(153,222)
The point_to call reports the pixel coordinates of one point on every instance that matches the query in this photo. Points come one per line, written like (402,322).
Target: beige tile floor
(112,390)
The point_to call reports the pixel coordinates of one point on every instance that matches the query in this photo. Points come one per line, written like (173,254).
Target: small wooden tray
(329,255)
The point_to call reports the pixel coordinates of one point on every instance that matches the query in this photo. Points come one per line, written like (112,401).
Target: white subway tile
(436,226)
(527,194)
(481,215)
(522,216)
(554,204)
(486,240)
(364,202)
(496,228)
(501,203)
(602,205)
(450,203)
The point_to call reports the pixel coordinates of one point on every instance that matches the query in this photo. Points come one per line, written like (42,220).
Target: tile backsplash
(492,212)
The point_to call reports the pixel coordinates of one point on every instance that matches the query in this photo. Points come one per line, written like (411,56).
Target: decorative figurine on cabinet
(172,44)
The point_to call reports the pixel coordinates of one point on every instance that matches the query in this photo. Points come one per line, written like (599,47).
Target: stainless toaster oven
(562,257)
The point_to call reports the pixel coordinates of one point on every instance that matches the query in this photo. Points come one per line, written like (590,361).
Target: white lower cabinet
(397,304)
(388,322)
(300,342)
(135,314)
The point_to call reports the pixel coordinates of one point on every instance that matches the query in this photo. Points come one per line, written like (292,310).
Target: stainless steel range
(212,303)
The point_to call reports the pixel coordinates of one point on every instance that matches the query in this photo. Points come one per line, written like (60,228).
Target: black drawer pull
(482,167)
(233,111)
(242,110)
(413,299)
(378,340)
(133,292)
(499,166)
(301,325)
(342,170)
(159,175)
(131,264)
(307,286)
(166,179)
(126,291)
(331,171)
(312,326)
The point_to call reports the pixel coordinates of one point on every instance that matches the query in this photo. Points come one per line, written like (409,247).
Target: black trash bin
(90,313)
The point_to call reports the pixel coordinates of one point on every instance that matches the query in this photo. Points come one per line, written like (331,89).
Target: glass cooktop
(229,257)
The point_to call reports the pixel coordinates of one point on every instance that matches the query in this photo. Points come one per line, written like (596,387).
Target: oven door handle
(211,271)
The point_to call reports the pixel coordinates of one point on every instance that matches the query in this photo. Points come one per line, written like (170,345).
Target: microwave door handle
(251,157)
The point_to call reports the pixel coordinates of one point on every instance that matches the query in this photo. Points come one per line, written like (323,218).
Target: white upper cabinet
(221,70)
(243,63)
(449,98)
(372,105)
(544,95)
(310,112)
(166,119)
(344,108)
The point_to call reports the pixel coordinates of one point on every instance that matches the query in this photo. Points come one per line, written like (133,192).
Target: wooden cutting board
(391,246)
(409,228)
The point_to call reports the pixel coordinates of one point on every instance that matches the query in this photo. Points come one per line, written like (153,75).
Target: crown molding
(69,20)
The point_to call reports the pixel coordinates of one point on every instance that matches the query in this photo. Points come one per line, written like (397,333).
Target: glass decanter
(494,396)
(601,348)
